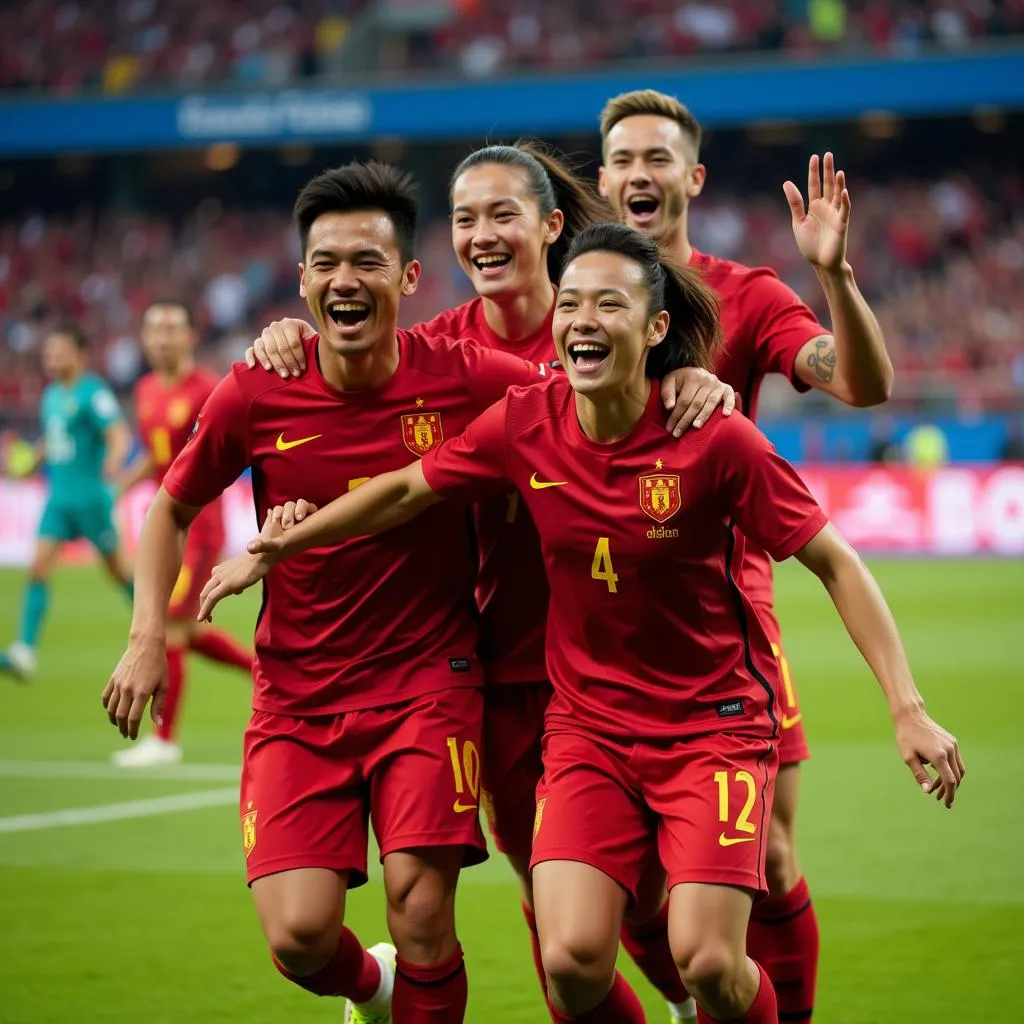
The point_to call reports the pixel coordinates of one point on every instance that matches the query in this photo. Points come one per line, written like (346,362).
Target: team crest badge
(422,431)
(179,411)
(249,831)
(659,495)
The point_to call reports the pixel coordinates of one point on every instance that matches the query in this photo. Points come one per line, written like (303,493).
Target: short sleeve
(490,373)
(217,452)
(780,321)
(104,408)
(761,490)
(474,464)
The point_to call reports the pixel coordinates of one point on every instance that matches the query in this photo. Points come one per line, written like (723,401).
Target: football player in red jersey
(637,753)
(167,402)
(367,698)
(651,171)
(515,210)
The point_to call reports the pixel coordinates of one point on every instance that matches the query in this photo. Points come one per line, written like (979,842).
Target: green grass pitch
(148,919)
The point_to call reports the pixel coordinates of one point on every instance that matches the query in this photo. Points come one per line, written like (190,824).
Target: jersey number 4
(601,568)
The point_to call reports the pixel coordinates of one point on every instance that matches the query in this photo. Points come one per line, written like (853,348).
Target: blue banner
(720,96)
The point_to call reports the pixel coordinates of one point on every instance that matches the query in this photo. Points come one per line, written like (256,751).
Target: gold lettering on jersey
(659,495)
(179,412)
(660,533)
(422,432)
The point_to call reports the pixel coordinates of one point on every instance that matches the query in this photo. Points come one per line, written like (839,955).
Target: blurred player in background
(167,403)
(651,171)
(84,445)
(515,211)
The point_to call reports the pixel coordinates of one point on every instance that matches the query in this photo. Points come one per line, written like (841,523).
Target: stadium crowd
(64,46)
(940,261)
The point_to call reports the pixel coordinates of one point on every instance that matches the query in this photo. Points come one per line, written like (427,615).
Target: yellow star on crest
(419,403)
(659,464)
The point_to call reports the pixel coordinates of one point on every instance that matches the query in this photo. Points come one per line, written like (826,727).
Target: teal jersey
(75,420)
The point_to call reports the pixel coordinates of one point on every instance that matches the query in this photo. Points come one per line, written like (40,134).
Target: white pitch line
(118,812)
(99,770)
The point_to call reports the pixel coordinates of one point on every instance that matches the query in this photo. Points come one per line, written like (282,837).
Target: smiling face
(602,324)
(353,279)
(650,174)
(499,235)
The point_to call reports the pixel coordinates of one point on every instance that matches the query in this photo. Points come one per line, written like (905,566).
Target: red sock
(538,963)
(430,993)
(648,945)
(168,726)
(783,938)
(351,972)
(217,645)
(620,1006)
(763,1010)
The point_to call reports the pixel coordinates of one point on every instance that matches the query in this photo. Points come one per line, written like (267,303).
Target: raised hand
(821,230)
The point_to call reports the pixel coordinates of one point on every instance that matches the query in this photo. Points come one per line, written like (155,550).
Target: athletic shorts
(196,566)
(310,785)
(793,747)
(93,520)
(704,804)
(513,728)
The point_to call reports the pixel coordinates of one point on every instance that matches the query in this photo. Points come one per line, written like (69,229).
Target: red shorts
(309,785)
(705,803)
(793,747)
(513,727)
(196,566)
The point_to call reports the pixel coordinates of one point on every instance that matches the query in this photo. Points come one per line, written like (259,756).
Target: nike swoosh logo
(788,722)
(283,445)
(459,807)
(539,485)
(724,840)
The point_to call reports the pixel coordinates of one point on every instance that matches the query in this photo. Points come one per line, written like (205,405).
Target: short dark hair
(656,104)
(173,303)
(553,184)
(362,186)
(71,330)
(695,329)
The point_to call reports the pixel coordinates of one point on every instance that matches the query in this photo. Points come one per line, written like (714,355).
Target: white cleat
(20,661)
(378,1009)
(151,752)
(683,1013)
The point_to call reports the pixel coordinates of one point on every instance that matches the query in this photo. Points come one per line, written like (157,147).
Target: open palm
(820,229)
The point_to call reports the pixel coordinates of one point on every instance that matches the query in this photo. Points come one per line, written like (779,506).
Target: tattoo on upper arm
(823,360)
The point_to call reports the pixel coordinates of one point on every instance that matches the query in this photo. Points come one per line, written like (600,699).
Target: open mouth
(348,314)
(492,262)
(643,206)
(587,356)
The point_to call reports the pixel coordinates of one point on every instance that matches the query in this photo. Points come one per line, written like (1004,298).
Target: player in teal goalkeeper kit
(85,442)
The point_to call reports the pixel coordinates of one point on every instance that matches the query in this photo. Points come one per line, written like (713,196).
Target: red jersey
(376,620)
(649,635)
(166,415)
(765,325)
(511,589)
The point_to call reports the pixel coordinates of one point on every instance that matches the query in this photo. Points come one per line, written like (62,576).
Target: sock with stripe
(620,1006)
(430,993)
(351,972)
(167,727)
(783,938)
(222,647)
(33,611)
(647,944)
(763,1010)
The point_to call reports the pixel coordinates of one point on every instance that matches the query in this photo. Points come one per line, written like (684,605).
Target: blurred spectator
(65,46)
